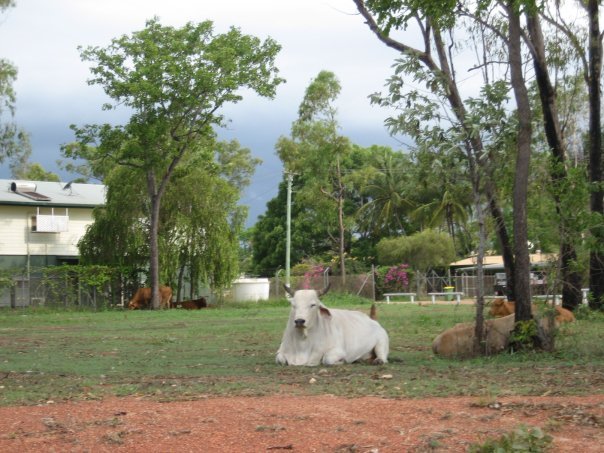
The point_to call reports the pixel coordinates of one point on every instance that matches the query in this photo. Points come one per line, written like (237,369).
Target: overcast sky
(40,37)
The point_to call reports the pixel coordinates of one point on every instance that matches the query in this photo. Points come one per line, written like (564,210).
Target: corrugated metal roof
(486,260)
(496,261)
(58,193)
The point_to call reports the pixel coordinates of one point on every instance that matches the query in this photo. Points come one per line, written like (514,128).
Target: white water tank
(251,289)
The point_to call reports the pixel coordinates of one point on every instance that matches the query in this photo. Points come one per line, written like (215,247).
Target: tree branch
(393,44)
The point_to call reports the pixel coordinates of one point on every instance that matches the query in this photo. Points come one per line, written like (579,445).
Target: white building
(41,222)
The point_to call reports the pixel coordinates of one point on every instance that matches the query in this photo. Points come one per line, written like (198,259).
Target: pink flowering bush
(394,279)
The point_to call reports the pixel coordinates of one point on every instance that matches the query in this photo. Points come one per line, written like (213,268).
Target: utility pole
(288,234)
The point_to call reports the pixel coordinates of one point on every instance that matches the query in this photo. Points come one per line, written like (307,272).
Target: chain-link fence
(65,290)
(70,290)
(362,285)
(365,285)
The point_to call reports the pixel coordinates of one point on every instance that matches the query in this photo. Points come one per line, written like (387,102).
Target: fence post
(277,284)
(326,277)
(373,282)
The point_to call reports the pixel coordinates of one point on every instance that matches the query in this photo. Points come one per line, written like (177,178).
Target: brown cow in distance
(196,304)
(142,298)
(459,341)
(564,315)
(501,307)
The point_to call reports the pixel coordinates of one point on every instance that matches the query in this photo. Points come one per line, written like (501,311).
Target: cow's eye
(313,305)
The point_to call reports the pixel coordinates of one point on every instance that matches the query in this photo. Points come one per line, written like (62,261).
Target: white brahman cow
(317,335)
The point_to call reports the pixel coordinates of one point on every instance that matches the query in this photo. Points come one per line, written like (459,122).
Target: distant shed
(494,263)
(464,273)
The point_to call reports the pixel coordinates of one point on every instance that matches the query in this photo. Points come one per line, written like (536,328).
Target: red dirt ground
(295,423)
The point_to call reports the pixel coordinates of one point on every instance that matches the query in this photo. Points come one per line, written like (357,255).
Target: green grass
(180,354)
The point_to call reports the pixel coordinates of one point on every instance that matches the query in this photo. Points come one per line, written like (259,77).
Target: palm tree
(449,202)
(385,213)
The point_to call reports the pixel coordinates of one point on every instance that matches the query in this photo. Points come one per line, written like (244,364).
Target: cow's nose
(299,322)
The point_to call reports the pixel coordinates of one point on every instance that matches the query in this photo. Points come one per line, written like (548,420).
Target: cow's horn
(288,290)
(324,290)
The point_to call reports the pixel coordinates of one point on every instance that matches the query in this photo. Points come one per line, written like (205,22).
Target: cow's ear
(324,310)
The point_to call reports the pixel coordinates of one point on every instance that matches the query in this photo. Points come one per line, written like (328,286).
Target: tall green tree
(523,154)
(571,279)
(432,63)
(268,235)
(82,160)
(497,23)
(309,231)
(596,170)
(235,163)
(199,221)
(317,149)
(384,186)
(443,193)
(118,235)
(34,172)
(175,81)
(577,46)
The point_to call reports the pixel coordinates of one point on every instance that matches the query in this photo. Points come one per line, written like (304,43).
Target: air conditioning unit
(50,223)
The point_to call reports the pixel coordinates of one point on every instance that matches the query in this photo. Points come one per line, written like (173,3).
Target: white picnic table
(457,295)
(410,295)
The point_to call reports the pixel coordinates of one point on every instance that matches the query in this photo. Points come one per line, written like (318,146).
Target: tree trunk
(156,192)
(153,240)
(507,252)
(181,279)
(571,279)
(341,225)
(522,274)
(596,257)
(477,149)
(479,329)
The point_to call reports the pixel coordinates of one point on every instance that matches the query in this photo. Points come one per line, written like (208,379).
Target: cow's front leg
(280,358)
(334,357)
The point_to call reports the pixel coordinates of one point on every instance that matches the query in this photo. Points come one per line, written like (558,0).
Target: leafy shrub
(524,334)
(584,312)
(392,279)
(522,439)
(396,278)
(428,249)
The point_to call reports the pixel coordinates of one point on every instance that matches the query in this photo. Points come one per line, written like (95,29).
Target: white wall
(16,237)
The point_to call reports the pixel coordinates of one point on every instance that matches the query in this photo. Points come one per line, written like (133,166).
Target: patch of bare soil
(293,423)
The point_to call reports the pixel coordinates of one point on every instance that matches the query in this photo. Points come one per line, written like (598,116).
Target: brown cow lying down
(564,315)
(458,341)
(142,298)
(195,304)
(501,307)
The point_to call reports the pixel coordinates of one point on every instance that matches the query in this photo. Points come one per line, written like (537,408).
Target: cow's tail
(373,311)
